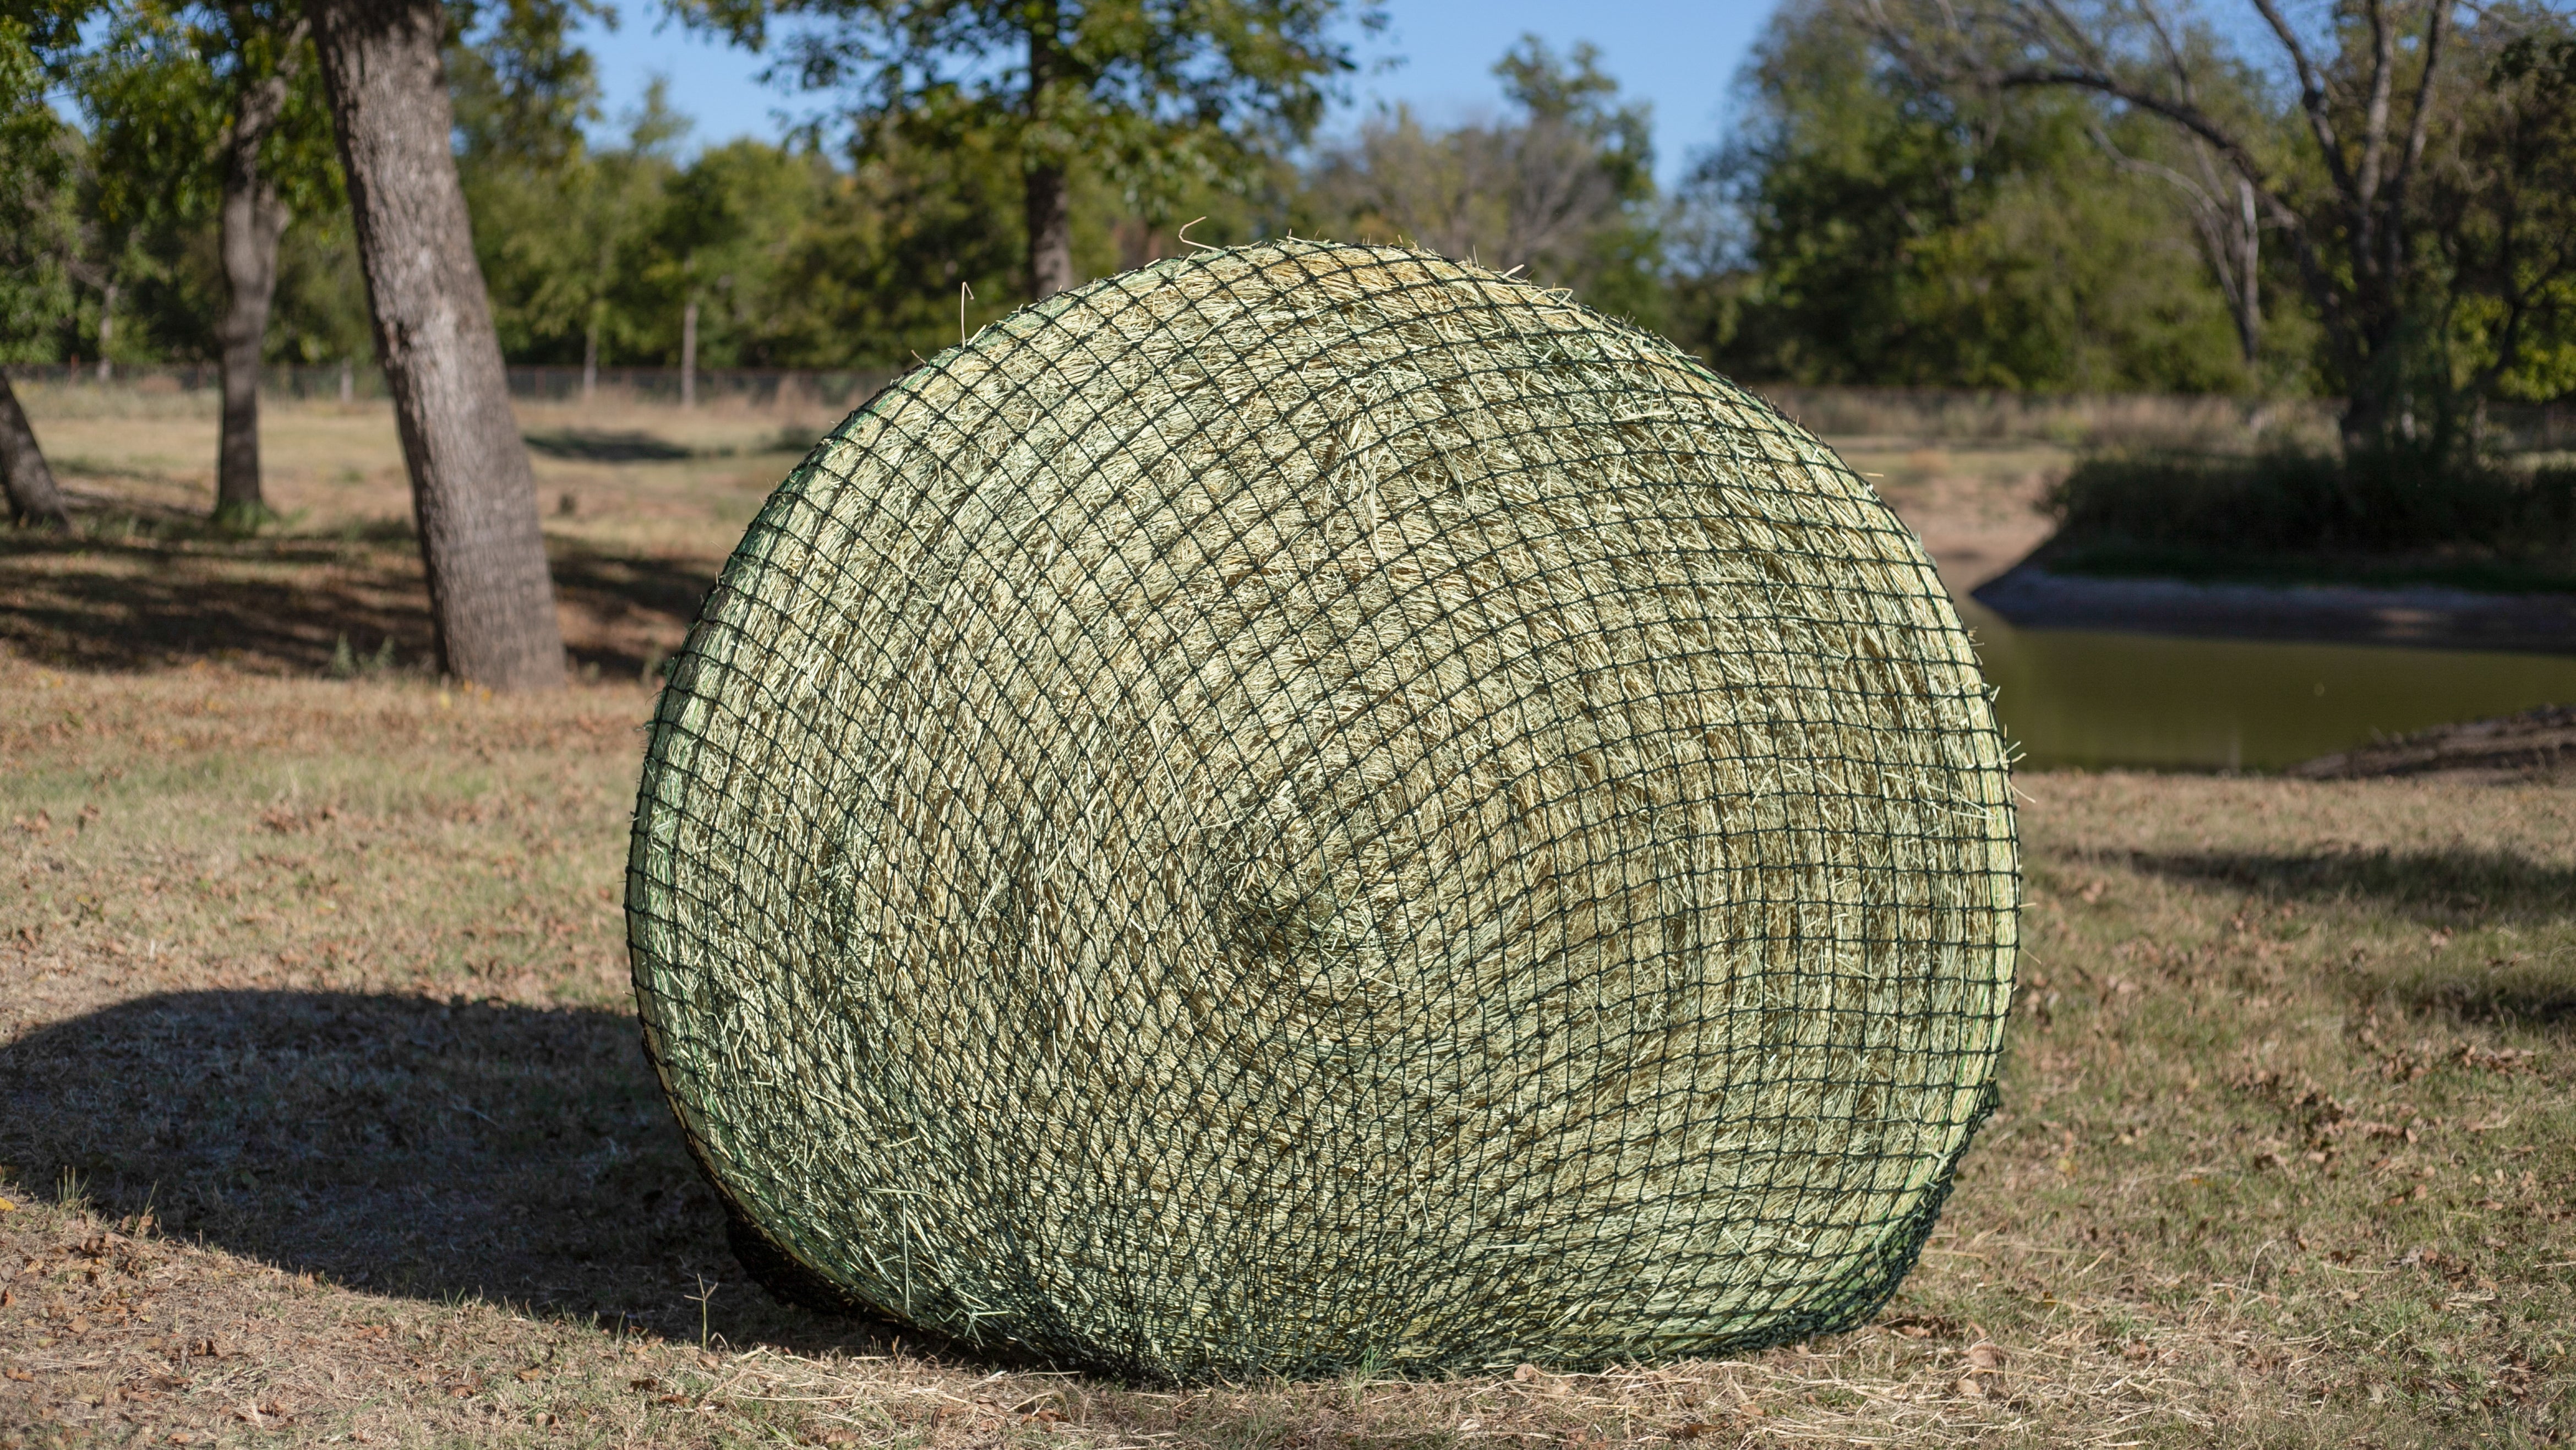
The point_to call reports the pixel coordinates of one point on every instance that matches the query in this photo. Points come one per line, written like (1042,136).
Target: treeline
(1894,207)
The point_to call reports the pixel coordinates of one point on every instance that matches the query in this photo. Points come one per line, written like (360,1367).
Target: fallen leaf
(531,1373)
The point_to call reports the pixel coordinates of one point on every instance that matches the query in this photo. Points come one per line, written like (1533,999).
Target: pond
(2087,700)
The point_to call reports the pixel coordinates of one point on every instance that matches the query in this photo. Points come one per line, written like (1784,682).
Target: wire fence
(838,389)
(1955,415)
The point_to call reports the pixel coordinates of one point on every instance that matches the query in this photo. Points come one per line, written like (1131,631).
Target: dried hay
(1316,806)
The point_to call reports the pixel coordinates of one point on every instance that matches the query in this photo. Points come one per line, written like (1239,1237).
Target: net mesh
(1314,806)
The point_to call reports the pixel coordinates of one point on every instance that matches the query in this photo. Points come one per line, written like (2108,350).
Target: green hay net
(1316,806)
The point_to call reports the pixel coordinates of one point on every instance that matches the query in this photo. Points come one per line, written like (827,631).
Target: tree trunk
(2249,271)
(254,217)
(472,490)
(33,499)
(590,360)
(106,329)
(689,354)
(1050,225)
(1049,221)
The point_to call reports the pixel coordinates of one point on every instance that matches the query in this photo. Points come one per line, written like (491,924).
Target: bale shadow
(591,445)
(2447,886)
(400,1145)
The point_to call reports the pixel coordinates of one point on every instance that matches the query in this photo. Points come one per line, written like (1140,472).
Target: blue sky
(1680,56)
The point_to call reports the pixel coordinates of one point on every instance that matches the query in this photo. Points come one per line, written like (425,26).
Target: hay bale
(1313,806)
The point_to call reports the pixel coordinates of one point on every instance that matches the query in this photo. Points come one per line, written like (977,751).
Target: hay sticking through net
(1313,806)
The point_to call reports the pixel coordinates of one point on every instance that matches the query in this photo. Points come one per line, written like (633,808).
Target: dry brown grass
(1959,415)
(640,505)
(325,976)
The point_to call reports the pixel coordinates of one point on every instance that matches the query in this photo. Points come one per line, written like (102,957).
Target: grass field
(323,1116)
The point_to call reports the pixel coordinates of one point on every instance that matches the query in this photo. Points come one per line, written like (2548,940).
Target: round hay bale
(1316,806)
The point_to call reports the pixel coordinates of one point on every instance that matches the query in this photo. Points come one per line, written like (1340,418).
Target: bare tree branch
(2314,100)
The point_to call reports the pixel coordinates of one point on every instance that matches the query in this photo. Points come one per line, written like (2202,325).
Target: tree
(714,245)
(876,276)
(1566,189)
(214,109)
(472,491)
(1148,89)
(34,226)
(2501,195)
(2380,86)
(1889,231)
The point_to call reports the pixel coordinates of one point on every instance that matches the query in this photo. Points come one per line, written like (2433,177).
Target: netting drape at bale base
(1316,806)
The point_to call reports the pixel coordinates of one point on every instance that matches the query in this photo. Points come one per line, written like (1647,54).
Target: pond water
(2082,699)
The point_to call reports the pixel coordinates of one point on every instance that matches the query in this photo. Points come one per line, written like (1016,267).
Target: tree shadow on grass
(2450,889)
(2449,886)
(400,1145)
(282,604)
(597,446)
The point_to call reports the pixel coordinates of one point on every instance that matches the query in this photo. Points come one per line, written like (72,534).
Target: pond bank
(2031,597)
(2534,745)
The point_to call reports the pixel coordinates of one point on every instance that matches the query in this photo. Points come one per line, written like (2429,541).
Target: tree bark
(472,490)
(33,498)
(689,354)
(1050,224)
(254,217)
(106,328)
(1044,204)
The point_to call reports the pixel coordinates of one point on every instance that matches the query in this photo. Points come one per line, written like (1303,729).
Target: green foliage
(1894,233)
(1564,188)
(519,85)
(2302,504)
(163,84)
(880,272)
(38,221)
(2502,207)
(1161,100)
(1867,225)
(552,218)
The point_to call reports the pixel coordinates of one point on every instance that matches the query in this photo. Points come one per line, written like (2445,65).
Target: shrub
(2393,502)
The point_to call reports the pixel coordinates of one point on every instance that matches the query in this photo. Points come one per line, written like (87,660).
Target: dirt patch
(2534,745)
